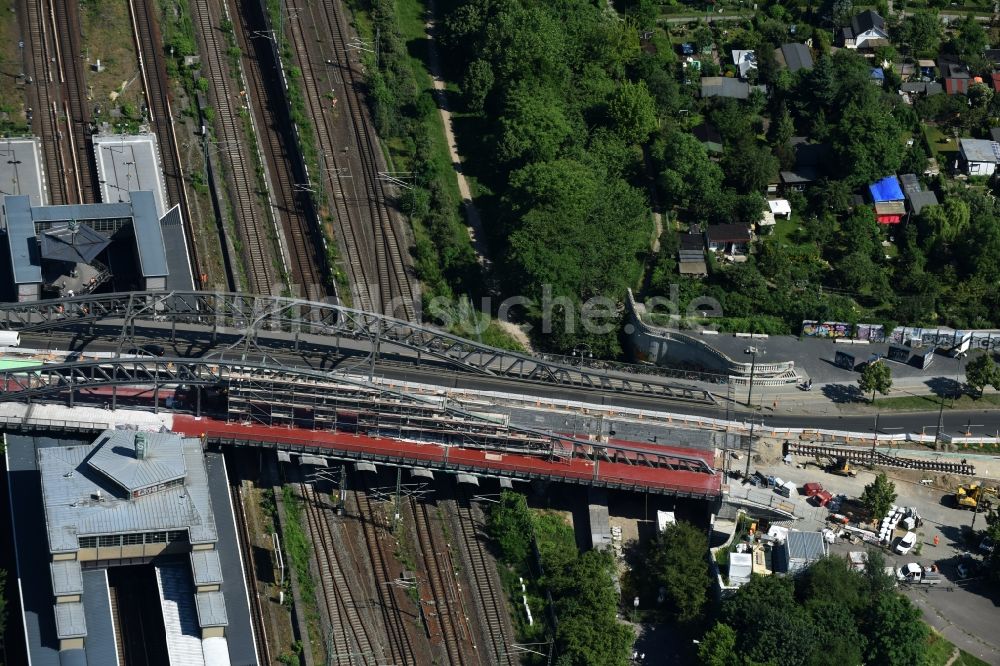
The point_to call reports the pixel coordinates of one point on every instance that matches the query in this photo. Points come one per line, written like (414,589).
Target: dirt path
(475,224)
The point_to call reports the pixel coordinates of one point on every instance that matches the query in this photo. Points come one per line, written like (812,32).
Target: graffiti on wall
(826,329)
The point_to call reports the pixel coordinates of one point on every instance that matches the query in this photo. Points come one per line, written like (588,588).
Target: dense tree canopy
(830,614)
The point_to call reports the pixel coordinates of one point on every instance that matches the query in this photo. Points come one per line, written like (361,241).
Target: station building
(129,241)
(128,517)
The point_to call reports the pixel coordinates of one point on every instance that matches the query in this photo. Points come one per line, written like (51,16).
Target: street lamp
(582,351)
(752,351)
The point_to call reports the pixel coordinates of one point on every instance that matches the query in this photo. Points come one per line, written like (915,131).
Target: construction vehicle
(841,467)
(969,496)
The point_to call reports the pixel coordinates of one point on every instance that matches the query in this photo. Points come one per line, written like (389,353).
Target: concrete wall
(661,346)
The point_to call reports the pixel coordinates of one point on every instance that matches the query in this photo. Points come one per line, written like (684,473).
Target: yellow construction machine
(969,496)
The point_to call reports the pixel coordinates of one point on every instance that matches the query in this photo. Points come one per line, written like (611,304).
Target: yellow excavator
(969,496)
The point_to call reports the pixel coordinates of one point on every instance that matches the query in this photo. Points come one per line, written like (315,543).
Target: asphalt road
(983,422)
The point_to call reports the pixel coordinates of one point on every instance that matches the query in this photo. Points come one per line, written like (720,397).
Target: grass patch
(931,402)
(116,91)
(299,549)
(940,649)
(939,141)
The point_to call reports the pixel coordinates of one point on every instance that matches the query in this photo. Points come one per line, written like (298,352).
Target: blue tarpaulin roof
(886,189)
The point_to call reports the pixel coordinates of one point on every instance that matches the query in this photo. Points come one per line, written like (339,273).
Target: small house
(724,86)
(867,31)
(809,159)
(926,88)
(957,78)
(888,198)
(732,240)
(709,137)
(794,56)
(691,255)
(916,198)
(904,70)
(979,156)
(877,76)
(745,61)
(803,549)
(926,66)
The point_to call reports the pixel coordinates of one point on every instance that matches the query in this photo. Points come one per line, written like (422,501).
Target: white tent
(779,207)
(740,568)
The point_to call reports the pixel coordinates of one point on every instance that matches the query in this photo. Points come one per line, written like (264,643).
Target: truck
(10,339)
(915,574)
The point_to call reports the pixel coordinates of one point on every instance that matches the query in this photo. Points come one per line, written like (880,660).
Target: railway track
(483,576)
(154,77)
(278,147)
(45,111)
(250,571)
(353,636)
(400,647)
(251,219)
(868,457)
(66,27)
(447,602)
(373,243)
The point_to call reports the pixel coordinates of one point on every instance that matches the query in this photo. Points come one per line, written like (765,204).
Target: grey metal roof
(920,200)
(805,546)
(100,644)
(73,242)
(71,621)
(67,577)
(20,169)
(74,657)
(180,276)
(910,183)
(206,567)
(211,609)
(71,510)
(797,56)
(148,235)
(21,240)
(239,633)
(980,150)
(81,212)
(867,20)
(126,164)
(115,457)
(724,86)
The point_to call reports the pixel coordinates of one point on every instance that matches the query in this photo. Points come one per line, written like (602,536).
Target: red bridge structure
(616,464)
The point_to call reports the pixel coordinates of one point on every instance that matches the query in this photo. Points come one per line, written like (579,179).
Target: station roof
(20,169)
(67,577)
(116,457)
(206,568)
(126,164)
(71,621)
(211,609)
(21,240)
(73,242)
(79,501)
(148,236)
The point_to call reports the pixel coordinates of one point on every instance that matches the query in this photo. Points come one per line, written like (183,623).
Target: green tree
(750,166)
(867,139)
(632,112)
(921,30)
(677,561)
(982,371)
(768,622)
(477,84)
(533,127)
(878,496)
(718,647)
(898,634)
(877,376)
(969,41)
(509,524)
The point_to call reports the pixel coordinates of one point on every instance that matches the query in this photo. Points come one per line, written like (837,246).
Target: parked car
(834,504)
(811,489)
(967,569)
(822,498)
(906,542)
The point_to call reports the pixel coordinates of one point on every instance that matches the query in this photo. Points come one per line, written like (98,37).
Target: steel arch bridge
(31,382)
(251,318)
